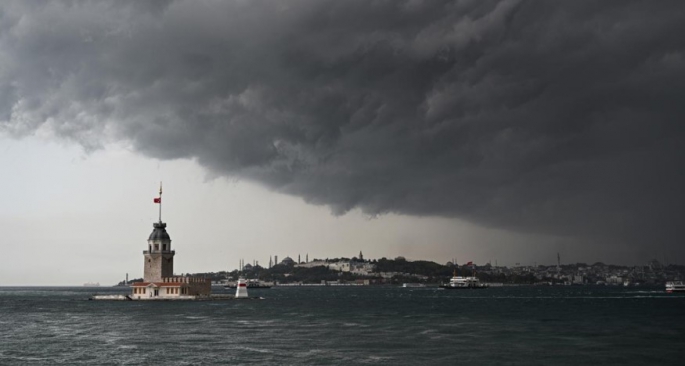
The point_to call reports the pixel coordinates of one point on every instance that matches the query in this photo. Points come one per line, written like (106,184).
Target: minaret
(159,258)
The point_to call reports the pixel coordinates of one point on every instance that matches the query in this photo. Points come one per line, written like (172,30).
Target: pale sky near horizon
(68,217)
(493,130)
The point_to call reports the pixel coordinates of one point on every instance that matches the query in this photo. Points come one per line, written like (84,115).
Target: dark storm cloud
(544,117)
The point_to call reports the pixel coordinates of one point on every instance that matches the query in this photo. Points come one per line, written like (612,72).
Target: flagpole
(160,202)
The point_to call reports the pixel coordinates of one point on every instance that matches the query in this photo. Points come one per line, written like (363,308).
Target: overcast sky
(483,130)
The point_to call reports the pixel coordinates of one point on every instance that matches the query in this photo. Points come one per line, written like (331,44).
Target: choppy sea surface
(348,326)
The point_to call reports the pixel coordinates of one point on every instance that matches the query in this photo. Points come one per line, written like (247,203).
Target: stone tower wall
(158,266)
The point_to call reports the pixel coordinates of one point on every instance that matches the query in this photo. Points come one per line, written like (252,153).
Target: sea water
(526,325)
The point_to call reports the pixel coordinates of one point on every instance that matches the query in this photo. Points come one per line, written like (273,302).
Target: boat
(413,284)
(464,283)
(675,286)
(251,284)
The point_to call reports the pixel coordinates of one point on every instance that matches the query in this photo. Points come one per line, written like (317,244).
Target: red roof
(158,284)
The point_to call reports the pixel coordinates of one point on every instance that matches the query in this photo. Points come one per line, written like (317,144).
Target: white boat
(675,286)
(251,284)
(413,284)
(464,283)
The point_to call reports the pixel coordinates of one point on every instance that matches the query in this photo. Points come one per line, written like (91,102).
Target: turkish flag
(158,200)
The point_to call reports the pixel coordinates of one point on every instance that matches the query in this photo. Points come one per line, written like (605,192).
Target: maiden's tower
(159,281)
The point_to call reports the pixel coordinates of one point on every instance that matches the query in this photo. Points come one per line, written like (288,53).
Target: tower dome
(159,232)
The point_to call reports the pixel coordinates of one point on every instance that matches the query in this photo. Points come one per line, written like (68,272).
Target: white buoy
(241,289)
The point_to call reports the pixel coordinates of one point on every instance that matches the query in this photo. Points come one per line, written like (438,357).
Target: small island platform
(213,297)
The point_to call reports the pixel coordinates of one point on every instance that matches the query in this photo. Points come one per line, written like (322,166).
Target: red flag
(469,263)
(158,200)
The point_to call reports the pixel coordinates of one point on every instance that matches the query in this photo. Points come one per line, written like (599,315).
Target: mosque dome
(159,232)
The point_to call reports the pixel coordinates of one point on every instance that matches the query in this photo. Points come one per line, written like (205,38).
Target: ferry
(675,286)
(413,284)
(464,283)
(252,284)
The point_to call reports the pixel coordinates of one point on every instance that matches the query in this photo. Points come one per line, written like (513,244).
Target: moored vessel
(675,286)
(251,284)
(464,283)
